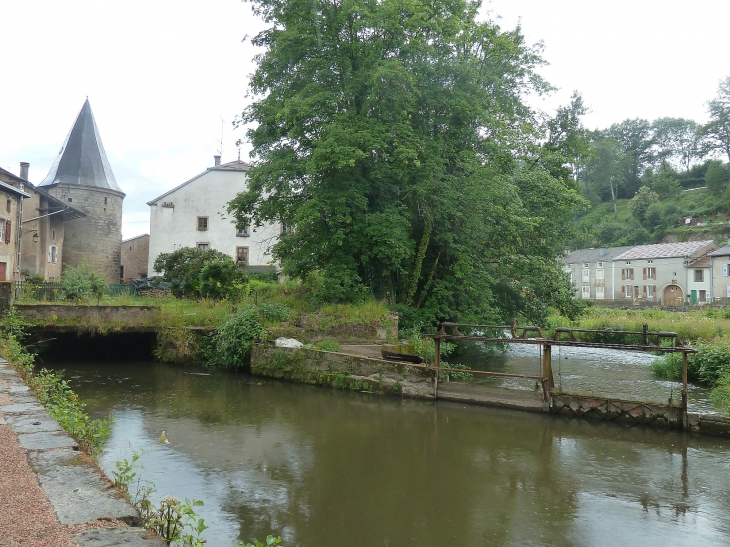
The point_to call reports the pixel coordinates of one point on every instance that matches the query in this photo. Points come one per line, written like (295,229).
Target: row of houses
(665,274)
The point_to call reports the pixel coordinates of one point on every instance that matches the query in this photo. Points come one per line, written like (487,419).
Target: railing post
(547,366)
(684,389)
(437,364)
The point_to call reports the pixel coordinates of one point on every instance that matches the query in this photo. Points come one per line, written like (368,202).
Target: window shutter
(644,273)
(632,273)
(7,231)
(724,270)
(623,274)
(653,275)
(644,291)
(49,254)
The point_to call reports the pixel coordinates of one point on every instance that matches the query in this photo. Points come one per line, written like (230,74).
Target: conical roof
(82,159)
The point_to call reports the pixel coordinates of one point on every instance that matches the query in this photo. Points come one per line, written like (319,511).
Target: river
(326,468)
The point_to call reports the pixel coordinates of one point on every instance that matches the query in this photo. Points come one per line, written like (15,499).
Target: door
(673,296)
(693,296)
(3,268)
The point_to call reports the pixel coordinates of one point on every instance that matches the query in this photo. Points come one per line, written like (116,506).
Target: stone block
(118,537)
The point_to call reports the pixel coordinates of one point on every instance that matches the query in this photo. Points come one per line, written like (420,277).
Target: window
(104,201)
(627,291)
(243,232)
(586,291)
(650,273)
(8,205)
(628,262)
(650,262)
(627,273)
(286,229)
(5,230)
(53,234)
(586,265)
(599,275)
(203,245)
(599,292)
(650,291)
(599,264)
(70,200)
(202,224)
(242,255)
(724,270)
(52,254)
(699,276)
(586,275)
(703,296)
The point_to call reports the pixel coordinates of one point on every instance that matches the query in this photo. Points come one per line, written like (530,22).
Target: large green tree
(393,136)
(718,128)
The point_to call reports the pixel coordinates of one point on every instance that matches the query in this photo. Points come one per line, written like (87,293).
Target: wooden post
(437,364)
(684,388)
(547,366)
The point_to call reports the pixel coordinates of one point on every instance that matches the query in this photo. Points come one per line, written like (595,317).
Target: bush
(81,283)
(230,346)
(328,345)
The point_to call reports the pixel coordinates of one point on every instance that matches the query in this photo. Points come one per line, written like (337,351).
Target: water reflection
(326,468)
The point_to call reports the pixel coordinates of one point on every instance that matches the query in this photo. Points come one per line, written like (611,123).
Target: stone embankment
(52,494)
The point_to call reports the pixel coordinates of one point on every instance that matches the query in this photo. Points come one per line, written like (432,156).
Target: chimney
(24,165)
(217,160)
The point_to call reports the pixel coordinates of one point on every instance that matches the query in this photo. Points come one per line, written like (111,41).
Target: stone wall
(340,370)
(601,408)
(97,237)
(135,254)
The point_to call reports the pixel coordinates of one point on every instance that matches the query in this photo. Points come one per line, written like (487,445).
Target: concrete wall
(174,219)
(720,277)
(49,314)
(135,254)
(340,371)
(97,237)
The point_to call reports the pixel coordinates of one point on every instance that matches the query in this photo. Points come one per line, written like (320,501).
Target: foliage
(64,406)
(721,394)
(718,128)
(203,273)
(404,157)
(640,203)
(328,345)
(717,177)
(82,283)
(230,346)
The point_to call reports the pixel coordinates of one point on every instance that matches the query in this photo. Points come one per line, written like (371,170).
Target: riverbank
(51,493)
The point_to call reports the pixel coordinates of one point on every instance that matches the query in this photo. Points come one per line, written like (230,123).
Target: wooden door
(3,270)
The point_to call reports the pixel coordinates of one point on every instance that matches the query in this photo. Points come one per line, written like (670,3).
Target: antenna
(220,150)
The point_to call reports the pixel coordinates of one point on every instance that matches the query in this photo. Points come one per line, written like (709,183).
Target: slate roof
(82,159)
(69,213)
(600,254)
(665,250)
(722,251)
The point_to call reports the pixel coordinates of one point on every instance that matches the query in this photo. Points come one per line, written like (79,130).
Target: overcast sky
(160,75)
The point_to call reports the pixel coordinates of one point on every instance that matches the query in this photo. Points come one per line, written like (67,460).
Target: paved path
(51,494)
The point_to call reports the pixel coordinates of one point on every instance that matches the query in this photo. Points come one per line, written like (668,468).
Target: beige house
(666,274)
(720,260)
(135,254)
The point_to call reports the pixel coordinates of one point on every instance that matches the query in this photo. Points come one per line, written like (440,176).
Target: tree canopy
(392,135)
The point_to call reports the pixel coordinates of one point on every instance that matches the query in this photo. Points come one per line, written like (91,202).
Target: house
(194,215)
(720,260)
(81,177)
(135,254)
(11,212)
(592,271)
(667,274)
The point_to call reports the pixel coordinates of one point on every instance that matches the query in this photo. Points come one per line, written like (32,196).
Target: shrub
(230,346)
(328,345)
(82,283)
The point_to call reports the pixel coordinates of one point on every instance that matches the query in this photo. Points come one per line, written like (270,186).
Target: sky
(166,78)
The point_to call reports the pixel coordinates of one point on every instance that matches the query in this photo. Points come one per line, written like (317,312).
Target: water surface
(325,468)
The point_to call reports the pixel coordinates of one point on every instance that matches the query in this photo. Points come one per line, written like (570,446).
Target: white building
(194,215)
(666,274)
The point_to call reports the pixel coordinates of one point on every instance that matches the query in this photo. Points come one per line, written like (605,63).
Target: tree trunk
(613,197)
(418,265)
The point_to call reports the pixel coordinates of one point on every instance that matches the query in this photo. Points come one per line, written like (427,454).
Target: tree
(639,204)
(393,137)
(607,166)
(198,272)
(636,140)
(680,140)
(717,177)
(717,130)
(665,182)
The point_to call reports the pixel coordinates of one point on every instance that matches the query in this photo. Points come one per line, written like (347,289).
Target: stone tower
(81,176)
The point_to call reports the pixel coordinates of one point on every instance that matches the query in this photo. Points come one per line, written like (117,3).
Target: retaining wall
(340,370)
(50,313)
